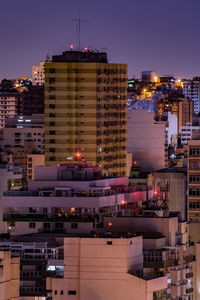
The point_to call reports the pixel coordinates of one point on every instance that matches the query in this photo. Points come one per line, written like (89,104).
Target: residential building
(191,90)
(147,140)
(149,76)
(86,111)
(9,275)
(33,160)
(21,129)
(62,194)
(39,257)
(9,106)
(165,248)
(194,180)
(38,74)
(109,267)
(181,107)
(32,101)
(189,132)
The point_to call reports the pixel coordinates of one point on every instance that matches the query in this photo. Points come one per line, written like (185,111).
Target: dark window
(52,115)
(52,141)
(109,243)
(52,70)
(55,292)
(52,106)
(74,225)
(31,225)
(61,292)
(52,80)
(71,292)
(53,150)
(52,132)
(52,158)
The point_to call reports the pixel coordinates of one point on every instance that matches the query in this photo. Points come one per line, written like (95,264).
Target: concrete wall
(146,140)
(96,270)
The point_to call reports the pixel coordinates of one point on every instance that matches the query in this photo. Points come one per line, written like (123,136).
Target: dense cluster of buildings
(99,183)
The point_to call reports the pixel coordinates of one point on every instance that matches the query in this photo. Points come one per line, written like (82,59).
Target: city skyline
(145,35)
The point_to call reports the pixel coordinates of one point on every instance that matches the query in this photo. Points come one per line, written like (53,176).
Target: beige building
(147,140)
(9,105)
(166,249)
(33,160)
(38,74)
(105,268)
(85,111)
(9,276)
(194,180)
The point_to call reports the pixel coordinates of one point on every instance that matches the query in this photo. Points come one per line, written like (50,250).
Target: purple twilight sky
(145,34)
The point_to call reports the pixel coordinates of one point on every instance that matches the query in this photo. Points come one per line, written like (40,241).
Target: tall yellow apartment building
(86,111)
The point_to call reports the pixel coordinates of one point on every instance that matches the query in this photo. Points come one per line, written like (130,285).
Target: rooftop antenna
(78,26)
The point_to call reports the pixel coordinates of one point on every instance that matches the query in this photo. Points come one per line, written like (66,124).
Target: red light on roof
(85,48)
(134,162)
(109,224)
(155,192)
(123,202)
(71,46)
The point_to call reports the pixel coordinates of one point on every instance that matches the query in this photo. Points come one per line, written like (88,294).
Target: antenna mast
(78,26)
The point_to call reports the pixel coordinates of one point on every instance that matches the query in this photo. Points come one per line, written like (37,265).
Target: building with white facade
(59,193)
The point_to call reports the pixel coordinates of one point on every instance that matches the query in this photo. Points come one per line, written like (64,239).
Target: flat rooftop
(81,56)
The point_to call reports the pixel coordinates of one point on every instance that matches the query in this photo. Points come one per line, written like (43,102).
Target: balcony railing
(32,290)
(189,291)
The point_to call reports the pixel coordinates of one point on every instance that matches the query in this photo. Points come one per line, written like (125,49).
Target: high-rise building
(85,111)
(38,74)
(191,89)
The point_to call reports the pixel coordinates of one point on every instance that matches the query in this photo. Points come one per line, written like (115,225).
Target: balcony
(189,291)
(28,275)
(159,259)
(188,258)
(189,275)
(32,291)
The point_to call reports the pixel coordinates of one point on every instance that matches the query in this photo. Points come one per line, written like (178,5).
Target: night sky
(146,34)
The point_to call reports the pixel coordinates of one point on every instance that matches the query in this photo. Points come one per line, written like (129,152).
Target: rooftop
(80,56)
